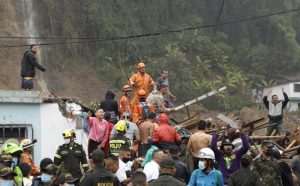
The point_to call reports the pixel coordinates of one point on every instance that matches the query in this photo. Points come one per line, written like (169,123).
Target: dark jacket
(286,174)
(245,177)
(109,104)
(70,160)
(235,157)
(284,103)
(99,176)
(182,172)
(166,180)
(28,65)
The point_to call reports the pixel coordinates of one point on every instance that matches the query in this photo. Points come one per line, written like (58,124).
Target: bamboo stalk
(290,145)
(292,149)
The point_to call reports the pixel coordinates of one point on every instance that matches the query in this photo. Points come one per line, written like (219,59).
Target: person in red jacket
(165,135)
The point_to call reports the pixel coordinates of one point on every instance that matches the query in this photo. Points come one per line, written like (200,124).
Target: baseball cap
(5,158)
(98,154)
(44,163)
(4,171)
(52,169)
(65,177)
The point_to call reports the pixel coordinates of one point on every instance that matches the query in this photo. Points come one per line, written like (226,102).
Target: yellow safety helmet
(69,134)
(140,65)
(121,126)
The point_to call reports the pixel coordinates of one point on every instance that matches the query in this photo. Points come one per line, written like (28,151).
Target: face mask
(46,178)
(67,141)
(15,161)
(125,160)
(6,182)
(201,165)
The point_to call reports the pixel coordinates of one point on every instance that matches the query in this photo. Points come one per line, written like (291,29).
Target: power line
(154,34)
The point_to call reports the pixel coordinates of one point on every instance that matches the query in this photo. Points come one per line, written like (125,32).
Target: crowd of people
(131,142)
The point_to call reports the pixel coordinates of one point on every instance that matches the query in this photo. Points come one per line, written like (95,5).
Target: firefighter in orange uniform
(124,103)
(140,81)
(142,109)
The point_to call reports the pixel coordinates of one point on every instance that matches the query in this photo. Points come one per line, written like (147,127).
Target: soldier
(69,156)
(166,176)
(7,176)
(267,167)
(98,176)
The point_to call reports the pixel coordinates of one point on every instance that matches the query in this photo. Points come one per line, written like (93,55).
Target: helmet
(126,88)
(121,126)
(206,153)
(25,143)
(11,148)
(140,65)
(69,134)
(142,93)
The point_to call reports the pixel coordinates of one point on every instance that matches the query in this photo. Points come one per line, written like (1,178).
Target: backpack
(145,111)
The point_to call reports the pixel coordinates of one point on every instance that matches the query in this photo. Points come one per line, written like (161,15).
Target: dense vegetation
(244,55)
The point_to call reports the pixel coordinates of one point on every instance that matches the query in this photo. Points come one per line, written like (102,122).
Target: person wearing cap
(245,176)
(71,156)
(156,98)
(65,179)
(141,109)
(167,171)
(7,176)
(15,151)
(182,172)
(198,141)
(140,81)
(27,146)
(124,102)
(119,139)
(50,174)
(37,180)
(267,168)
(99,175)
(295,165)
(228,160)
(165,135)
(206,174)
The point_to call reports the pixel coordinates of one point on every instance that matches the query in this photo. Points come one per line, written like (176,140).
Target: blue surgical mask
(201,165)
(6,182)
(46,178)
(15,161)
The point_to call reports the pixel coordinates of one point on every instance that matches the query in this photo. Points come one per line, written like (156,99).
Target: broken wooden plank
(291,149)
(266,137)
(227,120)
(199,98)
(290,145)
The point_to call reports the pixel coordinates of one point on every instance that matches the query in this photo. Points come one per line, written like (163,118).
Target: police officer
(98,176)
(119,139)
(69,156)
(7,176)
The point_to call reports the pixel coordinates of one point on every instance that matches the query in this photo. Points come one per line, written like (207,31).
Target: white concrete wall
(293,106)
(277,90)
(53,124)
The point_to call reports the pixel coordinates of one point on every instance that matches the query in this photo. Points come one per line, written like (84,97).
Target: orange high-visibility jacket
(26,158)
(137,112)
(142,81)
(124,104)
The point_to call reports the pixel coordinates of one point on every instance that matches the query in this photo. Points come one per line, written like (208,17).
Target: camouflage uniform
(156,98)
(268,170)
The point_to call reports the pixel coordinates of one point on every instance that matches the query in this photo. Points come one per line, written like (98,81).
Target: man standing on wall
(275,114)
(28,66)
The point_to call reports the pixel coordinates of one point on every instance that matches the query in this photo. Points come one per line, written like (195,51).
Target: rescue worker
(267,168)
(119,139)
(275,114)
(245,176)
(15,151)
(165,135)
(146,132)
(110,105)
(157,99)
(124,103)
(28,65)
(98,176)
(166,174)
(140,81)
(141,109)
(27,146)
(70,155)
(198,141)
(206,174)
(228,160)
(7,176)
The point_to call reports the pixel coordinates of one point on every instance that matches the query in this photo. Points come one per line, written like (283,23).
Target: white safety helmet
(206,153)
(25,143)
